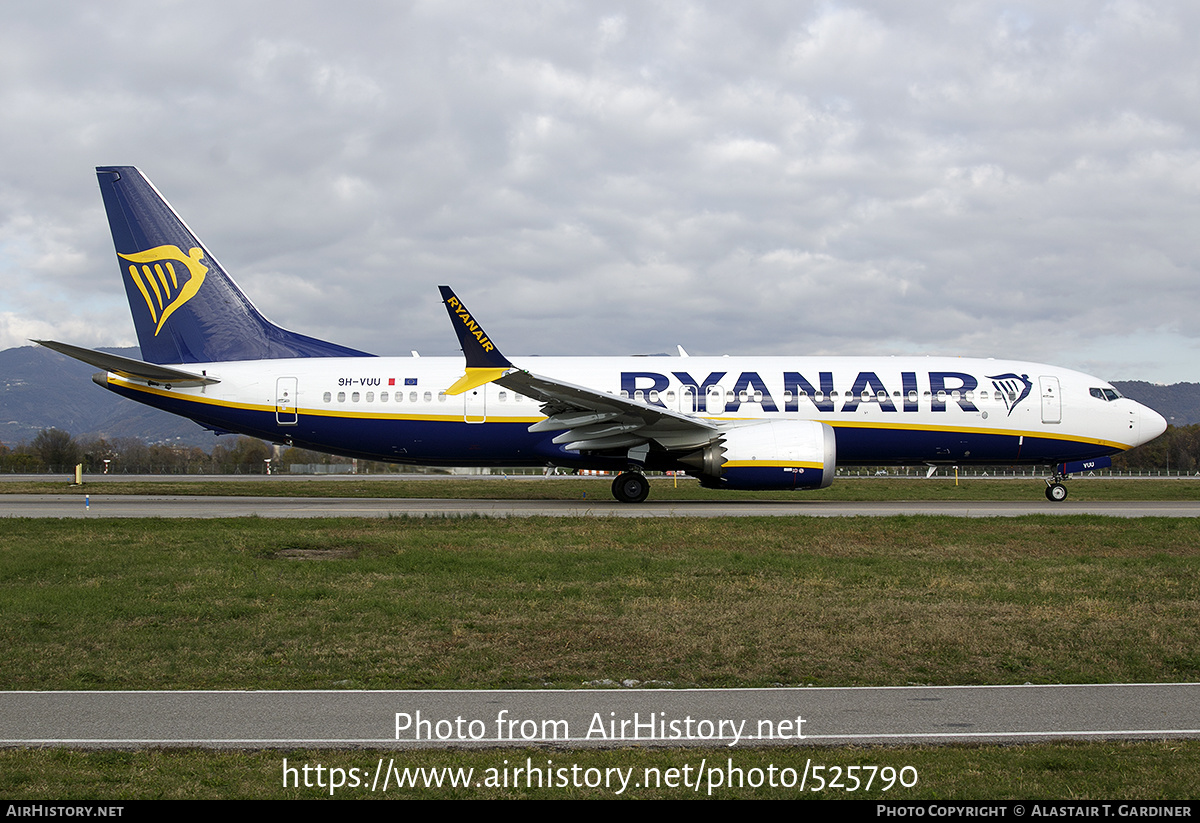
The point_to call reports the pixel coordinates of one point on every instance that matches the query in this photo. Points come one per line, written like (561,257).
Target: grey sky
(974,178)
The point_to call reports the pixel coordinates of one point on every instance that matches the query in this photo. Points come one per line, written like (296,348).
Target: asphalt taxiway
(601,718)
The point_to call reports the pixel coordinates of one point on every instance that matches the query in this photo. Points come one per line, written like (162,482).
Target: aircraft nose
(1151,424)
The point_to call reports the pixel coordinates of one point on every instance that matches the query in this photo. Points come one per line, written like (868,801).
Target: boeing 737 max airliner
(732,422)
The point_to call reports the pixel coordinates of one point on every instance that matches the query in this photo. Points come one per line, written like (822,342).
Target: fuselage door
(475,404)
(714,400)
(687,399)
(285,401)
(1051,400)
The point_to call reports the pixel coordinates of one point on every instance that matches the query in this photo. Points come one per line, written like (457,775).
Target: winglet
(485,363)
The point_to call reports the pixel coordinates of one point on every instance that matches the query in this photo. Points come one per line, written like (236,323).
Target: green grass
(527,603)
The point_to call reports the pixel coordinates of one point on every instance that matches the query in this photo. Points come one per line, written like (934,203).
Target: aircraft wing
(597,421)
(128,367)
(591,420)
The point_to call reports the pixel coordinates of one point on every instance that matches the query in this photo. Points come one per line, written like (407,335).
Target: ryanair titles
(720,392)
(473,328)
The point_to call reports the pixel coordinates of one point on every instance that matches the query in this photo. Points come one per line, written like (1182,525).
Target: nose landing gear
(1056,492)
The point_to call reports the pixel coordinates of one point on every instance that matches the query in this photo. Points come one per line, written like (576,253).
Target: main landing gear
(1056,492)
(631,487)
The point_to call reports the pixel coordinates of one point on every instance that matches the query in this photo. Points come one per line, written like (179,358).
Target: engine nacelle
(785,454)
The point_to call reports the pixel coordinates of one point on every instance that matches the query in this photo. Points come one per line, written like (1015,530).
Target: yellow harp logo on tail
(159,283)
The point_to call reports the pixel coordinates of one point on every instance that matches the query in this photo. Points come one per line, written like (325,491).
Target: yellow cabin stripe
(1046,435)
(769,464)
(917,427)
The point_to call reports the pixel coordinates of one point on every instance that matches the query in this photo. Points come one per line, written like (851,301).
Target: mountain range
(42,389)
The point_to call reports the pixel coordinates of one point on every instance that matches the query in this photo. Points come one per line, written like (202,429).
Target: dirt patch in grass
(317,554)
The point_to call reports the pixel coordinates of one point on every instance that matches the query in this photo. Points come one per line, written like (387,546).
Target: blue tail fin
(185,307)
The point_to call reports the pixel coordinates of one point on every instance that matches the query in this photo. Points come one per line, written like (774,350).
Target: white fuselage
(883,409)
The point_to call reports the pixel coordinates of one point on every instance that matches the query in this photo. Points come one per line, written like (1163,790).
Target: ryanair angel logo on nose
(1013,388)
(154,273)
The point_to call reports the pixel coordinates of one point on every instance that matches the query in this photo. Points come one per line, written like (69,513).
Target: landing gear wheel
(631,487)
(1056,492)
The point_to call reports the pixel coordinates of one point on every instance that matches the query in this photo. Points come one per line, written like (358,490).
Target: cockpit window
(1107,395)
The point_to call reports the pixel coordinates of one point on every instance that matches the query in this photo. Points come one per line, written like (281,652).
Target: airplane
(732,422)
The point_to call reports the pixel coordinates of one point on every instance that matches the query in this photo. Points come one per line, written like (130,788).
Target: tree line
(1176,450)
(54,450)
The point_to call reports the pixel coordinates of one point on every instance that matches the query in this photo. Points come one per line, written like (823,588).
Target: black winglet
(480,351)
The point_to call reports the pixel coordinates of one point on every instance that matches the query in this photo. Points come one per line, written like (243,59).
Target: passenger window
(441,397)
(428,397)
(328,397)
(412,397)
(341,397)
(354,397)
(370,397)
(383,396)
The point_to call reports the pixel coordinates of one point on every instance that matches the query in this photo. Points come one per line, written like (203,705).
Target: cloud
(980,179)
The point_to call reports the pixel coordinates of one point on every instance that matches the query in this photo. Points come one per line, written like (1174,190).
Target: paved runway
(604,718)
(101,506)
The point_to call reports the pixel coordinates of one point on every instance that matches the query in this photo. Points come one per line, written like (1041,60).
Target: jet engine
(785,454)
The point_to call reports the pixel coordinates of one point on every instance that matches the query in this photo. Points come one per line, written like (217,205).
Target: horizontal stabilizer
(128,367)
